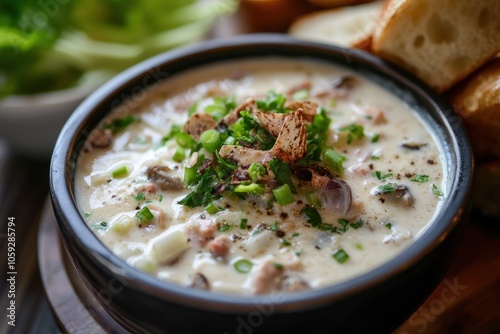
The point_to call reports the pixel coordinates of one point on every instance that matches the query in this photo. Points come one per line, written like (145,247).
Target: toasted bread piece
(477,101)
(439,41)
(336,3)
(344,26)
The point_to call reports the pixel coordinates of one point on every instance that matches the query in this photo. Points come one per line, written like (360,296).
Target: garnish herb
(387,188)
(221,107)
(282,173)
(388,226)
(160,198)
(145,215)
(192,108)
(120,123)
(256,171)
(100,226)
(295,234)
(285,243)
(254,188)
(140,196)
(334,161)
(243,266)
(420,178)
(278,266)
(436,191)
(341,256)
(179,155)
(86,214)
(210,140)
(298,252)
(283,194)
(379,175)
(314,218)
(358,246)
(225,227)
(274,226)
(201,195)
(374,157)
(273,102)
(300,95)
(375,138)
(243,223)
(120,172)
(355,131)
(211,208)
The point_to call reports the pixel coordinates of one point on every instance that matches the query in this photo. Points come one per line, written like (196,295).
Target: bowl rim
(71,222)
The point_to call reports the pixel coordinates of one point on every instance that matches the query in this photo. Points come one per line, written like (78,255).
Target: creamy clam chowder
(260,175)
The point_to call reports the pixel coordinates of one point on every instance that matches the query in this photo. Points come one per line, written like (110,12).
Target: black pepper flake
(300,202)
(430,162)
(283,215)
(280,233)
(382,200)
(371,166)
(409,175)
(317,247)
(412,163)
(137,207)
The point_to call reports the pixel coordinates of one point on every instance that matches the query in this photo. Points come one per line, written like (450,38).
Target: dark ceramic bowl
(377,301)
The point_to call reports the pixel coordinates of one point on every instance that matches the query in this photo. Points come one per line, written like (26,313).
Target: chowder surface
(255,245)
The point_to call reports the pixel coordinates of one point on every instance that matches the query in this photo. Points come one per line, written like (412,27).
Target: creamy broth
(248,243)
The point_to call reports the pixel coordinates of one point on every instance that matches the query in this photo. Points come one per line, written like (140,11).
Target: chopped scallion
(253,188)
(179,155)
(256,171)
(341,256)
(210,140)
(334,161)
(243,266)
(145,215)
(283,195)
(212,208)
(120,172)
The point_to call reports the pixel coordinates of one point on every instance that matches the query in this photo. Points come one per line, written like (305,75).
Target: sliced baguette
(477,101)
(439,41)
(336,3)
(344,26)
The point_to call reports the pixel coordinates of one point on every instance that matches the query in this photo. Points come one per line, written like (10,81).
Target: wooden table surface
(466,301)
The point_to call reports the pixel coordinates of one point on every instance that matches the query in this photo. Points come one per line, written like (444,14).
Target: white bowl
(31,123)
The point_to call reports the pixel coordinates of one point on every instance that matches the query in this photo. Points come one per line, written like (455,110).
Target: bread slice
(440,41)
(336,3)
(477,101)
(344,26)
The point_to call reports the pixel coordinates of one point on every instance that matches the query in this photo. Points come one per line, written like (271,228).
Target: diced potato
(124,223)
(146,263)
(169,245)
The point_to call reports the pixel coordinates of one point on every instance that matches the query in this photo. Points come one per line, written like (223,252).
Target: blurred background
(53,53)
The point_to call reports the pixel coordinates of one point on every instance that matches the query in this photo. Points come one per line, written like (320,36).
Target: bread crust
(441,42)
(477,101)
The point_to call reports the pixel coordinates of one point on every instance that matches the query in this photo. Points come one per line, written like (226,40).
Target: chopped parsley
(119,124)
(314,219)
(273,102)
(201,195)
(295,234)
(282,172)
(388,226)
(387,188)
(375,138)
(420,178)
(374,157)
(225,227)
(285,243)
(274,227)
(354,131)
(140,196)
(436,191)
(243,223)
(381,176)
